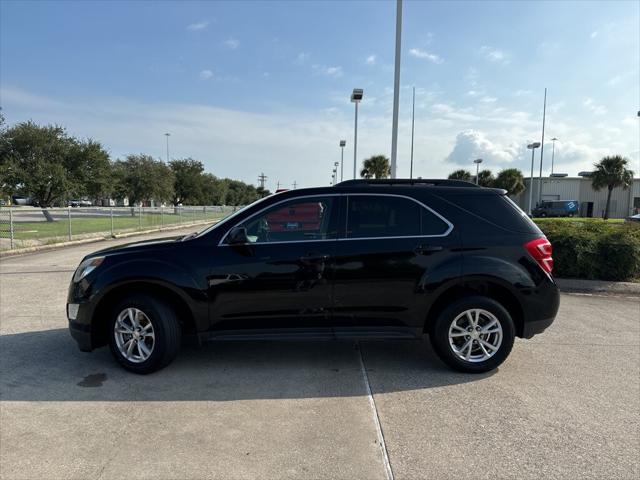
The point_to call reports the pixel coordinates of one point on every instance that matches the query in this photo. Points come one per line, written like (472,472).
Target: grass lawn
(87,225)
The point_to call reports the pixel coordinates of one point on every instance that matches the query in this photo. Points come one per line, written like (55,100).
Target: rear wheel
(144,333)
(474,334)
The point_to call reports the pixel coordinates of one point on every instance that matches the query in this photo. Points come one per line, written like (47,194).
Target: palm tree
(461,175)
(611,172)
(510,180)
(376,166)
(485,178)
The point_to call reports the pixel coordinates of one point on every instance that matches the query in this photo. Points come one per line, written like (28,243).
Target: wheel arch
(164,293)
(484,286)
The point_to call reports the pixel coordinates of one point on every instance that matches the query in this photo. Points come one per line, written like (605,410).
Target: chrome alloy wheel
(134,335)
(475,335)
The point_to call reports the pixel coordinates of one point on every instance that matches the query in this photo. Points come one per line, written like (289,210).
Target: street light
(167,135)
(478,161)
(396,90)
(532,147)
(553,152)
(343,143)
(335,171)
(356,97)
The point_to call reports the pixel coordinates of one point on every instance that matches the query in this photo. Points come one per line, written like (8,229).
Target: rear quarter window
(496,209)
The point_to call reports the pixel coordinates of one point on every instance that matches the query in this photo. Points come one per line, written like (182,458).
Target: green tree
(611,172)
(511,180)
(48,165)
(486,178)
(461,175)
(189,181)
(376,166)
(140,178)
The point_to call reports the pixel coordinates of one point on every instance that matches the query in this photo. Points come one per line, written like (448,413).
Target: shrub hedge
(594,250)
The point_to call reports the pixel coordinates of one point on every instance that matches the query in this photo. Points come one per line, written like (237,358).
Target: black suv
(363,259)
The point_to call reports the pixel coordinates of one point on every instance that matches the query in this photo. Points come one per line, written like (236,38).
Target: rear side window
(371,216)
(497,209)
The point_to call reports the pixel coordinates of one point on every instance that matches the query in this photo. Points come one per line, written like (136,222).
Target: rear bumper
(532,328)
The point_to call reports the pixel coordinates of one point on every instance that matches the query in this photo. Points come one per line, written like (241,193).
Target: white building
(592,203)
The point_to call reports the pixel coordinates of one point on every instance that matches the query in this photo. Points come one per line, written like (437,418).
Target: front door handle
(427,249)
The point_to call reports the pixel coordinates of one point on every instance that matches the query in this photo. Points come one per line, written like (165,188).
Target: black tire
(166,328)
(543,215)
(439,334)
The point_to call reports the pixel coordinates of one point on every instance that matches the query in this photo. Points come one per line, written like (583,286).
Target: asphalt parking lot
(566,404)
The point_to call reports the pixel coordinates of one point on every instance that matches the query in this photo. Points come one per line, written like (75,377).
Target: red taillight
(540,249)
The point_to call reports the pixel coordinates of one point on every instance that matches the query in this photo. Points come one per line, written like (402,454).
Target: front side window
(304,219)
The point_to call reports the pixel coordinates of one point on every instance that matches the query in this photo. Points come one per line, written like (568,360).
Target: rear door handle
(315,257)
(427,249)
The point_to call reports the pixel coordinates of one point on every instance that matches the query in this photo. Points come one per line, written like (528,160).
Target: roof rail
(407,181)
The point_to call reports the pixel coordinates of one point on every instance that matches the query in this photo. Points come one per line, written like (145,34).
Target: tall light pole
(477,161)
(396,90)
(532,147)
(544,116)
(553,152)
(356,97)
(413,123)
(335,171)
(343,143)
(167,135)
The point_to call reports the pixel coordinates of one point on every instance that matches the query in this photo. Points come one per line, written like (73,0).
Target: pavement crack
(376,418)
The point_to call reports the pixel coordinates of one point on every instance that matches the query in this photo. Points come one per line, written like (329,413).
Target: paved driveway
(565,404)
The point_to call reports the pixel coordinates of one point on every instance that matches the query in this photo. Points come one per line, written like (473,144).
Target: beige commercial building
(592,203)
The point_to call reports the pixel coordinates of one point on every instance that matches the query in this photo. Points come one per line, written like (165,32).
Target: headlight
(86,267)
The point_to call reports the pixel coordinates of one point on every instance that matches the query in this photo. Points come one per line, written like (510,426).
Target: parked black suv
(362,259)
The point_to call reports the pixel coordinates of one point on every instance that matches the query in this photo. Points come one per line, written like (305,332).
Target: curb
(82,241)
(598,286)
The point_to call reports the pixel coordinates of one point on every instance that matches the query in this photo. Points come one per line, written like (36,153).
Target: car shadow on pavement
(47,366)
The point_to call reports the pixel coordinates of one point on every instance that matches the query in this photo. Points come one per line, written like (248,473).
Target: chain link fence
(30,226)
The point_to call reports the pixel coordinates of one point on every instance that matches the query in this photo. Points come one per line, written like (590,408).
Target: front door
(385,260)
(282,277)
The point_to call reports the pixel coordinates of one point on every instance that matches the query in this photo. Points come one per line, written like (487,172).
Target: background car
(558,208)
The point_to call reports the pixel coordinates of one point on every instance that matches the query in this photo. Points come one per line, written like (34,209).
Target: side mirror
(237,236)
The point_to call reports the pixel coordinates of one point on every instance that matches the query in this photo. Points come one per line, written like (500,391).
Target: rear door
(390,246)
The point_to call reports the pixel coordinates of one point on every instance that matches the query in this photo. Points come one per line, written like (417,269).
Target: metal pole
(167,135)
(533,151)
(111,215)
(69,219)
(161,217)
(553,152)
(413,122)
(355,143)
(10,229)
(477,171)
(341,163)
(140,217)
(396,90)
(544,114)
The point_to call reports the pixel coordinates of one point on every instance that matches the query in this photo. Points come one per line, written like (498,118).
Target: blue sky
(264,86)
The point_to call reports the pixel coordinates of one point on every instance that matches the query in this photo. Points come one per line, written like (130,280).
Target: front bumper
(81,334)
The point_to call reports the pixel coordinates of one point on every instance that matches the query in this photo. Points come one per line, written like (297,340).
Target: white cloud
(488,99)
(472,144)
(371,60)
(474,93)
(613,81)
(494,55)
(302,58)
(206,74)
(335,71)
(231,43)
(432,57)
(194,27)
(522,93)
(594,34)
(595,108)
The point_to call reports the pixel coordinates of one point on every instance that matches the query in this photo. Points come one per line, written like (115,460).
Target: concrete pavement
(566,404)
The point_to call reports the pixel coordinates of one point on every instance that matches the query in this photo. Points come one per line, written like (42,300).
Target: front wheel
(474,334)
(144,334)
